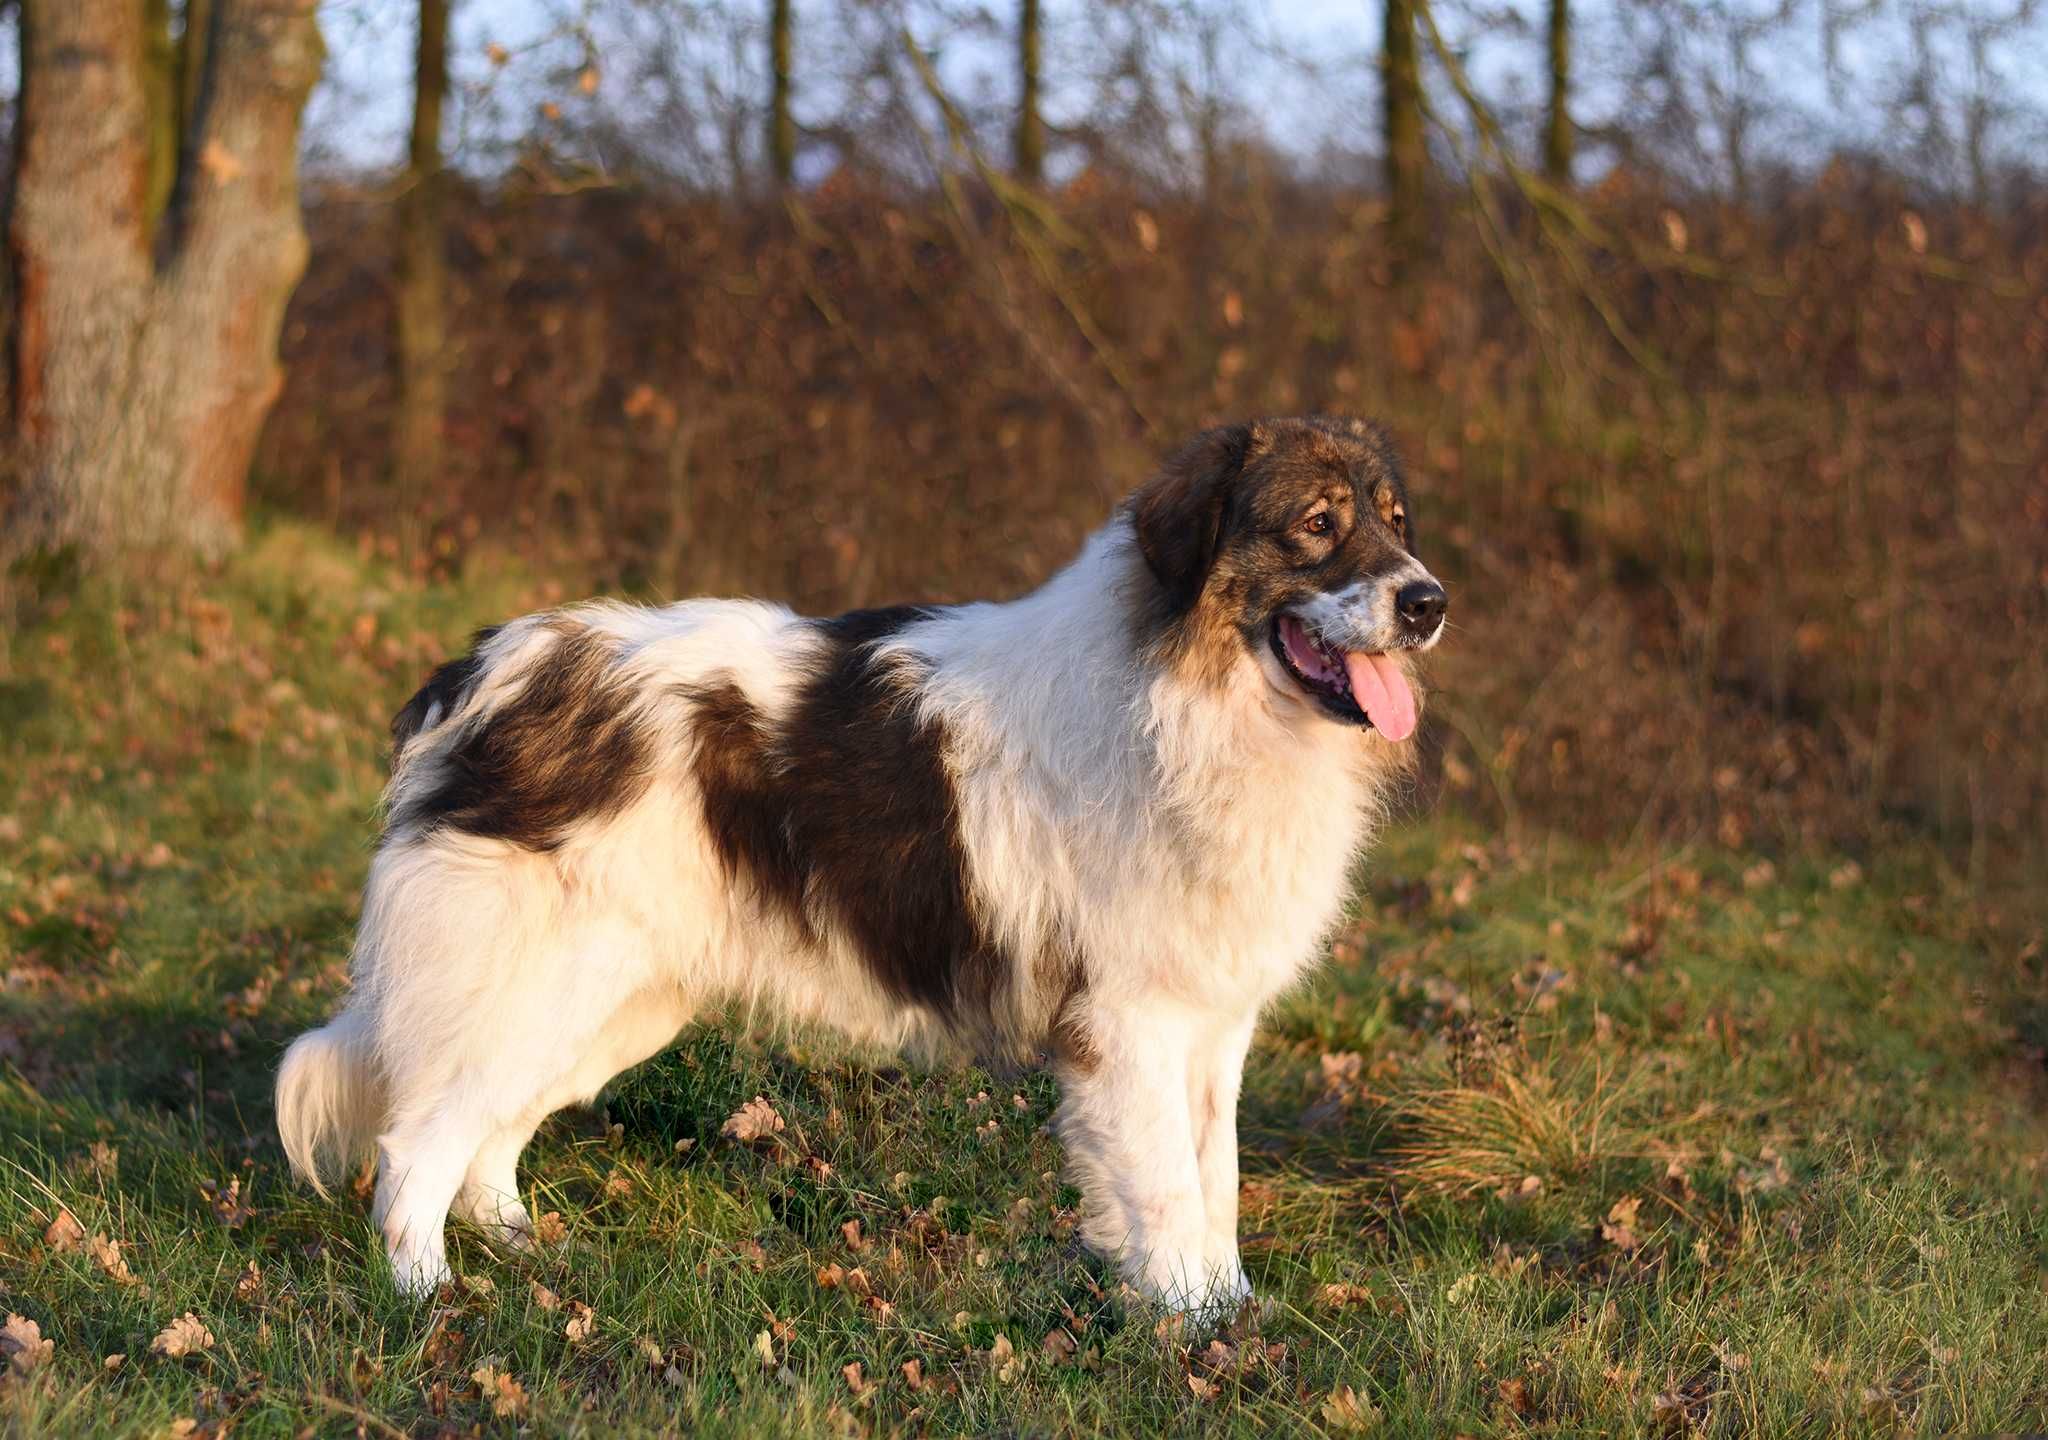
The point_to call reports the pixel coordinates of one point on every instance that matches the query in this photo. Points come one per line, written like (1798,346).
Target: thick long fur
(1089,824)
(330,1098)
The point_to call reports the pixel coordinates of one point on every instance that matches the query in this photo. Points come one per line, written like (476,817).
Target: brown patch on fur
(841,816)
(567,746)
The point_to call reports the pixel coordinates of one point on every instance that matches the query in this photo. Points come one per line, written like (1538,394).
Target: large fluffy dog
(1104,823)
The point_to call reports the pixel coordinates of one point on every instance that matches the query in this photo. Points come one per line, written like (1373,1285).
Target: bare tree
(1407,151)
(1029,160)
(781,123)
(422,266)
(144,368)
(1557,127)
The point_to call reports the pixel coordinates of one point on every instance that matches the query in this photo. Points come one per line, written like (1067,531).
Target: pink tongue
(1382,692)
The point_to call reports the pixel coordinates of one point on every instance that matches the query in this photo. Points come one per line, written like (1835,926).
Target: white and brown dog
(1105,823)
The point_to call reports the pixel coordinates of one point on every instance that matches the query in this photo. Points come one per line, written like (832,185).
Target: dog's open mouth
(1359,687)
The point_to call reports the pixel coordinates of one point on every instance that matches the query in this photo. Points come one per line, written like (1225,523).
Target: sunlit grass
(1563,1140)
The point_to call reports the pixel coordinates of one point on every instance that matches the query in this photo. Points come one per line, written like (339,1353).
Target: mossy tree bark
(1557,130)
(1407,149)
(1029,150)
(781,122)
(422,268)
(142,370)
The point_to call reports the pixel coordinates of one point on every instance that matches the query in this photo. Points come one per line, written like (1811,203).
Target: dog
(1100,826)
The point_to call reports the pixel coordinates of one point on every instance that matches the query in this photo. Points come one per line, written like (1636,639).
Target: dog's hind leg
(420,1164)
(489,1197)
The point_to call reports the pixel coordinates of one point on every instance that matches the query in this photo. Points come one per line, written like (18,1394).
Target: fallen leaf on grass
(22,1342)
(64,1234)
(1336,1297)
(545,1298)
(1002,1358)
(581,1322)
(108,1253)
(227,1203)
(913,1374)
(755,1120)
(186,1335)
(1619,1228)
(249,1288)
(1344,1411)
(549,1229)
(507,1396)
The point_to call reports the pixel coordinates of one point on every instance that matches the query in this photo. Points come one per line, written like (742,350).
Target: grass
(1563,1140)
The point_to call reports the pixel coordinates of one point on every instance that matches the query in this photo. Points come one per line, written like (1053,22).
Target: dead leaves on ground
(64,1234)
(184,1336)
(23,1346)
(755,1120)
(506,1396)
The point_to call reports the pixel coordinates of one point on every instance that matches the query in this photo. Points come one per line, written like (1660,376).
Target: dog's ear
(1178,513)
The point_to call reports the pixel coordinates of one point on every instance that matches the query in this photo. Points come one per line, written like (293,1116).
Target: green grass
(1564,1140)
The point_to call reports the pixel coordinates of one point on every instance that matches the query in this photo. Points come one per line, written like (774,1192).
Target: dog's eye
(1318,523)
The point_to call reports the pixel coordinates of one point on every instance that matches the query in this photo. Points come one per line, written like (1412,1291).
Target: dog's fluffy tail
(330,1101)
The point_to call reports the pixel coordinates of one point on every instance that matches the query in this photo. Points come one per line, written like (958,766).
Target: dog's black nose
(1421,605)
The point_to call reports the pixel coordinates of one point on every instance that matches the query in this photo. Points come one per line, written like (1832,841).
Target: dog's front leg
(1130,1139)
(1216,1078)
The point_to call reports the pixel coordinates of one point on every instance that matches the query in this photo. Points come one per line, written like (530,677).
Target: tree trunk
(1557,132)
(422,269)
(1407,151)
(160,99)
(1030,141)
(139,388)
(781,124)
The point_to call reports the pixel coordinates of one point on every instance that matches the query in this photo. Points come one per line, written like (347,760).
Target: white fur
(1189,839)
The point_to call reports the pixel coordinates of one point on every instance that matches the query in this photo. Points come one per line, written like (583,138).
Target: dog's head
(1290,542)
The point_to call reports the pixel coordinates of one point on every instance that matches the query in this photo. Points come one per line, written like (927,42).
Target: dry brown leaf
(64,1234)
(249,1288)
(582,1321)
(1345,1412)
(755,1120)
(186,1335)
(507,1396)
(913,1374)
(108,1253)
(549,1229)
(226,1201)
(545,1298)
(1336,1297)
(1619,1228)
(23,1345)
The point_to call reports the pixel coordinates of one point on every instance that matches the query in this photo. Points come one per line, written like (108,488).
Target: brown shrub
(1745,516)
